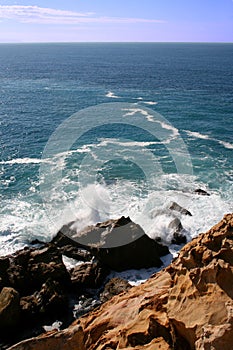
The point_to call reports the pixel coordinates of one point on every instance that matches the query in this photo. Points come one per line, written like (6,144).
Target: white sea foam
(152,119)
(133,111)
(174,130)
(198,135)
(106,142)
(25,161)
(227,145)
(150,103)
(70,263)
(56,326)
(111,94)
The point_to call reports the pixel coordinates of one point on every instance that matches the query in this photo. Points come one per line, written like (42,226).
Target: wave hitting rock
(188,305)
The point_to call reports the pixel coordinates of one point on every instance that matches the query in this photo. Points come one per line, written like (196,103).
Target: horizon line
(117,42)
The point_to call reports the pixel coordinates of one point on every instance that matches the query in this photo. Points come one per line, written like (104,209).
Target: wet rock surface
(201,192)
(176,207)
(178,233)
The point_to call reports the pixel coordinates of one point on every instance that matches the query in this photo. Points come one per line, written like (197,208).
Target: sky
(116,21)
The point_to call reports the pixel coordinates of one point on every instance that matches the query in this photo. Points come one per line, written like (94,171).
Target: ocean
(93,131)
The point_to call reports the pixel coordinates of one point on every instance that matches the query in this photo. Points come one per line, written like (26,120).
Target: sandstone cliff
(188,305)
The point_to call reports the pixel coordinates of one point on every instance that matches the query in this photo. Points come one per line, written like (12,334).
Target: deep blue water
(42,85)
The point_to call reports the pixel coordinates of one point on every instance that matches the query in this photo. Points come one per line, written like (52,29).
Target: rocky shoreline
(37,288)
(187,305)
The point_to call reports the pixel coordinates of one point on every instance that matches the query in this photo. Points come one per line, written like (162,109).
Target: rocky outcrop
(176,207)
(88,275)
(188,305)
(118,244)
(48,300)
(47,290)
(178,236)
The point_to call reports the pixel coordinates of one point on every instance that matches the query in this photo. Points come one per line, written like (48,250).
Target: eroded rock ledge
(188,305)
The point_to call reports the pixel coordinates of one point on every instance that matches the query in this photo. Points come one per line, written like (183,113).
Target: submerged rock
(188,305)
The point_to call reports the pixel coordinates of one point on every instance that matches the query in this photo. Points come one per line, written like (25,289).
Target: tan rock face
(188,305)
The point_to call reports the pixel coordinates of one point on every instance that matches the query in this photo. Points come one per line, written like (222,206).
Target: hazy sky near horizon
(121,20)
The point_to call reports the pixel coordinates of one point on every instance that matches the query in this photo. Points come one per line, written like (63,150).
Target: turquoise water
(42,85)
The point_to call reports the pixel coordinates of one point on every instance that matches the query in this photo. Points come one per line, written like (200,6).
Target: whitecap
(133,111)
(227,145)
(198,135)
(151,103)
(111,94)
(152,119)
(106,142)
(25,161)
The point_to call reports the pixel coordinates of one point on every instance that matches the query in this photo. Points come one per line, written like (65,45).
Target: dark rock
(47,263)
(116,223)
(40,272)
(179,238)
(175,225)
(201,192)
(17,271)
(178,232)
(121,244)
(64,237)
(48,300)
(88,275)
(115,286)
(29,269)
(76,253)
(37,242)
(4,265)
(45,254)
(9,308)
(111,233)
(142,253)
(177,207)
(69,247)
